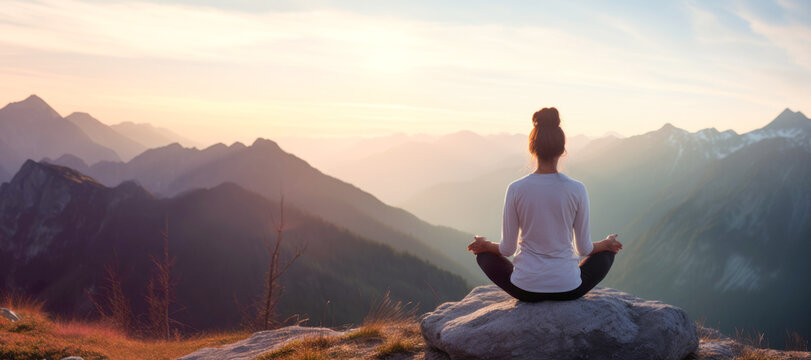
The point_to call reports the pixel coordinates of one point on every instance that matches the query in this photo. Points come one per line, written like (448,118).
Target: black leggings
(592,270)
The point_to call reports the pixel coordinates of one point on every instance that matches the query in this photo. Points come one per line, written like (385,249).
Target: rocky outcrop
(9,314)
(604,324)
(716,346)
(261,343)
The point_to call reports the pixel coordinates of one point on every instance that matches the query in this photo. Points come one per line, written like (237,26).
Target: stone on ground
(8,314)
(604,324)
(260,343)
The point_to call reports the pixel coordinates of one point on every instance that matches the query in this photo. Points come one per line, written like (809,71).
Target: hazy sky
(234,70)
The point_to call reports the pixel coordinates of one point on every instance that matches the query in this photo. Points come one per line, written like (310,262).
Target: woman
(544,207)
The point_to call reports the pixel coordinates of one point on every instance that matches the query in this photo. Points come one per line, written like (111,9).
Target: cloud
(792,36)
(325,40)
(317,65)
(708,27)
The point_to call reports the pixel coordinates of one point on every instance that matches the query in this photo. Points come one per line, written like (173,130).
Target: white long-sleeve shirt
(545,209)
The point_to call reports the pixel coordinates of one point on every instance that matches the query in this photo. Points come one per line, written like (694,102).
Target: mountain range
(32,129)
(711,213)
(265,168)
(126,147)
(59,229)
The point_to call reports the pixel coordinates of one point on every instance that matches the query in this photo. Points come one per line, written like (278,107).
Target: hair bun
(546,117)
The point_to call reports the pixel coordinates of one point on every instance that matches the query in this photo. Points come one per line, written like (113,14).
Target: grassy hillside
(38,336)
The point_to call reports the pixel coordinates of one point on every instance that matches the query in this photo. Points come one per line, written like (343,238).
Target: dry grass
(707,332)
(752,338)
(314,348)
(398,344)
(385,313)
(35,336)
(750,353)
(389,329)
(390,312)
(21,303)
(795,341)
(754,345)
(367,332)
(400,338)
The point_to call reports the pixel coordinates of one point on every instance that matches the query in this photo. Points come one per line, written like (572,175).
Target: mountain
(8,157)
(104,135)
(630,180)
(156,168)
(33,130)
(149,135)
(266,169)
(732,241)
(678,200)
(60,228)
(69,161)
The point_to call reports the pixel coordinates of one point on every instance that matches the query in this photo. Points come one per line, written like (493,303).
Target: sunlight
(388,59)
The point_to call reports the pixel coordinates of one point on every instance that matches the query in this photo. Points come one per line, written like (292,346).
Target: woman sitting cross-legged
(545,208)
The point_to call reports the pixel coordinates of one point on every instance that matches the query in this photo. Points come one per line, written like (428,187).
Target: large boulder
(604,324)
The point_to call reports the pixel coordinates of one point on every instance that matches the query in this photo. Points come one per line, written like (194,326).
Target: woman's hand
(480,245)
(611,244)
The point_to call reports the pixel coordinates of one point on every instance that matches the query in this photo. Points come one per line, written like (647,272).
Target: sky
(222,71)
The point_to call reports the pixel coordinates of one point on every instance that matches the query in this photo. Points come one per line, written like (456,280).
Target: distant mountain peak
(81,118)
(79,114)
(36,181)
(43,172)
(668,126)
(788,119)
(68,160)
(613,134)
(33,98)
(132,189)
(32,103)
(670,129)
(132,123)
(265,143)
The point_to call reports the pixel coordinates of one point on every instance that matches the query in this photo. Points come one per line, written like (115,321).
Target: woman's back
(551,213)
(545,209)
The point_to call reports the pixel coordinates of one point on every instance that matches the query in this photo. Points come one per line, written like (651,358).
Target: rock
(8,314)
(260,343)
(715,350)
(604,324)
(716,346)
